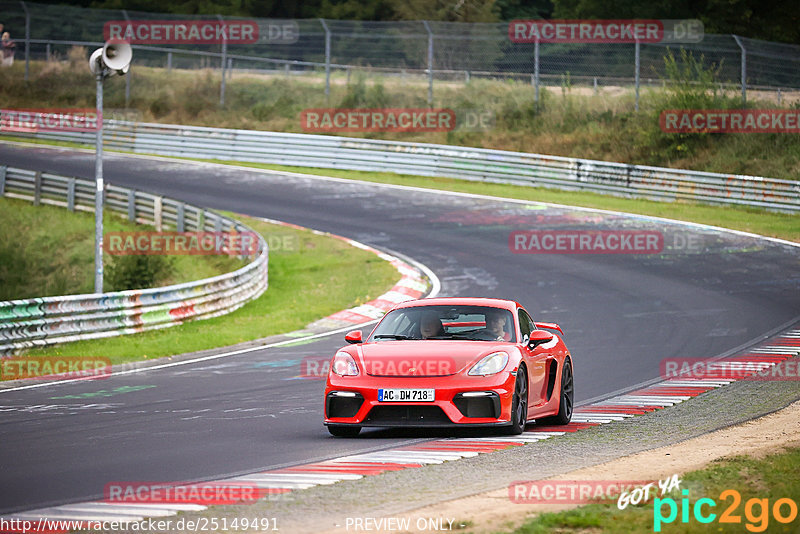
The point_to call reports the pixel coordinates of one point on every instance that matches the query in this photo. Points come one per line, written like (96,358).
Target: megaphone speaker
(117,55)
(94,61)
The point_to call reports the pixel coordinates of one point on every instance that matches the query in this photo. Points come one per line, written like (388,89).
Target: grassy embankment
(568,121)
(48,251)
(310,276)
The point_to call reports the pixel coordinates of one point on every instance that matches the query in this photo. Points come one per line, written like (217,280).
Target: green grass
(309,278)
(773,477)
(780,225)
(50,251)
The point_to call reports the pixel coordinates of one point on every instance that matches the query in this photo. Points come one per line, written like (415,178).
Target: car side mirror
(538,337)
(353,337)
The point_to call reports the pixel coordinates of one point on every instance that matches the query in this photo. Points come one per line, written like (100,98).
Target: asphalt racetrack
(704,293)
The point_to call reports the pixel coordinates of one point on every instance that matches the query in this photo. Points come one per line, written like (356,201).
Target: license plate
(406,395)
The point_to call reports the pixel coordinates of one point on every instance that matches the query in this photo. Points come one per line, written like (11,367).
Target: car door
(536,361)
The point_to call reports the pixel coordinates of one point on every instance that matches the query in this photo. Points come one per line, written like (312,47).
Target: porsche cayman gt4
(451,362)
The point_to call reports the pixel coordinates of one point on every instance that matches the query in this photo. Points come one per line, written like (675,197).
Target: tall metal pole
(127,74)
(224,60)
(638,69)
(327,59)
(27,39)
(430,62)
(536,70)
(98,195)
(744,69)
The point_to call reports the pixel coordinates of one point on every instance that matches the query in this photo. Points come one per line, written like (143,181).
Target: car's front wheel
(519,406)
(344,431)
(564,414)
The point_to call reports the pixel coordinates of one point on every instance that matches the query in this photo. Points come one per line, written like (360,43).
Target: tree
(524,9)
(446,10)
(772,20)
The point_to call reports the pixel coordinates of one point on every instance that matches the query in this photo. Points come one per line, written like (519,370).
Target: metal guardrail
(329,152)
(47,320)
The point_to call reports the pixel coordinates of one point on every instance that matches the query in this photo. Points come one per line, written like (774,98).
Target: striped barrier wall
(46,320)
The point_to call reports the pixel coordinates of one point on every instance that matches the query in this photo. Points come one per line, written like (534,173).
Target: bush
(137,272)
(690,84)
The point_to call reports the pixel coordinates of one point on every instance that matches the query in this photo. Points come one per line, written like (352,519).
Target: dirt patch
(491,511)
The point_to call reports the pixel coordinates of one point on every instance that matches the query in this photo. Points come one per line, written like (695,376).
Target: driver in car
(496,326)
(430,326)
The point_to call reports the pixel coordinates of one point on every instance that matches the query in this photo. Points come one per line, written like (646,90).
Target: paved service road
(705,293)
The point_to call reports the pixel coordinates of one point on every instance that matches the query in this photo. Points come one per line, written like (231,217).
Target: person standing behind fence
(8,49)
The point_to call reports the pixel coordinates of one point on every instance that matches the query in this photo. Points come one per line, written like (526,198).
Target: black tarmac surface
(706,293)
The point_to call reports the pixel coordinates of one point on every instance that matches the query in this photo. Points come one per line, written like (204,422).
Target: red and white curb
(281,481)
(412,285)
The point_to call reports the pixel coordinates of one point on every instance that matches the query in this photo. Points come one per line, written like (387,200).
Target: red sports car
(451,362)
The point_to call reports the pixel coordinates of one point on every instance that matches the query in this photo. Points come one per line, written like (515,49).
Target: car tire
(566,402)
(519,405)
(344,431)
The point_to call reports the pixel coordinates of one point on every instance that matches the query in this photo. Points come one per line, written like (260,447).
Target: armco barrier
(47,320)
(329,152)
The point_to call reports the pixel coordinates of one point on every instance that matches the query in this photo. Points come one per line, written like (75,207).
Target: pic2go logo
(756,511)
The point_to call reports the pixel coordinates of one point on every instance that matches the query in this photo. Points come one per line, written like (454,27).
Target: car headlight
(344,364)
(489,365)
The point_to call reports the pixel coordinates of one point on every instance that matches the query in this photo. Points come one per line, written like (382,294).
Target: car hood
(423,357)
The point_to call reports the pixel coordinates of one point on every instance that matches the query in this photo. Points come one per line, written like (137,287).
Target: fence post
(636,75)
(223,61)
(3,170)
(744,69)
(169,62)
(180,217)
(430,62)
(157,211)
(131,205)
(327,58)
(37,187)
(27,39)
(71,194)
(536,70)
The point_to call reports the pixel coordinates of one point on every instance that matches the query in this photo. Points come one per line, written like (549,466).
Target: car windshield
(478,323)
